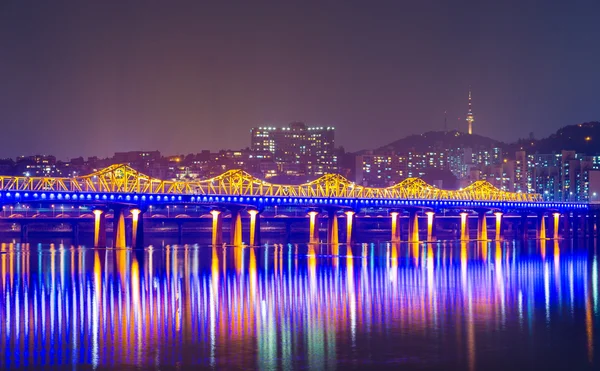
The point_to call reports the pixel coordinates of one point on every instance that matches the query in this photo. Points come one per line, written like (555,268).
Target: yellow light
(430,215)
(587,139)
(135,213)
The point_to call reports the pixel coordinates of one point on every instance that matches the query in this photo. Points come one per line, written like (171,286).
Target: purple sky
(90,79)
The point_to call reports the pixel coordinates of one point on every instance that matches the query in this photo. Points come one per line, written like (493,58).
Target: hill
(434,140)
(583,138)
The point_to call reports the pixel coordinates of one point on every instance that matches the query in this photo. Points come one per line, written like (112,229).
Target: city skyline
(248,145)
(178,78)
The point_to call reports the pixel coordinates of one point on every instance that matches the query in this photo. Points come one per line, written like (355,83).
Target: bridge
(126,191)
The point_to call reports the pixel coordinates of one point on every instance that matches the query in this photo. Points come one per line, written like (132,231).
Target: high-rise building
(312,149)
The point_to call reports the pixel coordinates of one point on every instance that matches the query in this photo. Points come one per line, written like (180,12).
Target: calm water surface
(476,306)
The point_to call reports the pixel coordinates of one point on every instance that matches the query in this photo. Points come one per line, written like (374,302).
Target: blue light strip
(157,199)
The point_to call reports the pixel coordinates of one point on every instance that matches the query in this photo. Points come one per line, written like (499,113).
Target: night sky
(78,78)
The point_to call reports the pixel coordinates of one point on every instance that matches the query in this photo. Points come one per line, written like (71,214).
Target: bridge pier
(430,226)
(540,230)
(482,225)
(179,232)
(555,225)
(499,225)
(75,232)
(235,230)
(314,227)
(597,224)
(288,231)
(99,227)
(217,227)
(584,224)
(119,234)
(464,226)
(137,228)
(394,215)
(349,227)
(524,227)
(24,232)
(413,226)
(332,227)
(567,225)
(254,227)
(590,224)
(575,225)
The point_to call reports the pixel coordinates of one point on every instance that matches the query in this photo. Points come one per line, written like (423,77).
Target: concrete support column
(313,236)
(540,230)
(254,227)
(579,225)
(481,226)
(119,240)
(217,227)
(567,225)
(430,226)
(99,227)
(24,233)
(137,228)
(350,227)
(179,232)
(597,225)
(524,227)
(413,226)
(590,224)
(575,225)
(464,226)
(288,231)
(395,226)
(555,225)
(499,225)
(75,230)
(332,228)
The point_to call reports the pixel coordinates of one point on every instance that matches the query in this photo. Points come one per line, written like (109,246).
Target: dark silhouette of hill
(434,140)
(582,138)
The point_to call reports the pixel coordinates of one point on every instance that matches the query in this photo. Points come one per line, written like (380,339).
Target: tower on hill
(470,117)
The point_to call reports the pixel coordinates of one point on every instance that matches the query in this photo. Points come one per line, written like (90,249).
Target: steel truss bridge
(120,183)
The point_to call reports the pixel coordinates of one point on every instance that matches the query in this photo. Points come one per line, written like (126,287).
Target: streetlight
(168,215)
(53,212)
(11,209)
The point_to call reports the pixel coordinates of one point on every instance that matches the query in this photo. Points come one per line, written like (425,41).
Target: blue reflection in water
(465,306)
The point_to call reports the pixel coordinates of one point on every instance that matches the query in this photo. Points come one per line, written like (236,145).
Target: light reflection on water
(461,306)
